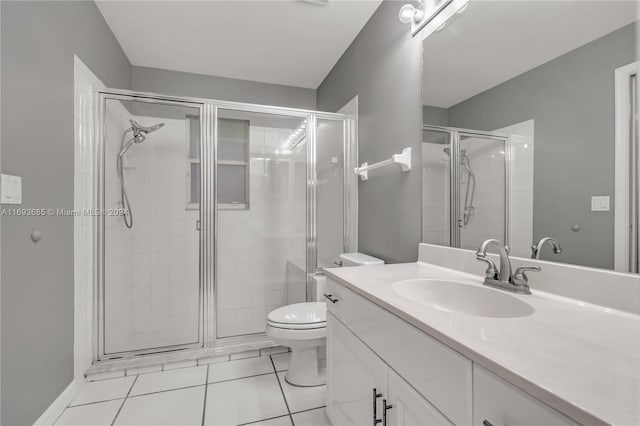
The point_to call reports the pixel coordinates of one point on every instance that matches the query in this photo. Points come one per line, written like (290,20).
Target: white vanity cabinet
(375,359)
(354,373)
(363,390)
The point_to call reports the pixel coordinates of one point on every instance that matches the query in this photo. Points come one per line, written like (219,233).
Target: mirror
(530,130)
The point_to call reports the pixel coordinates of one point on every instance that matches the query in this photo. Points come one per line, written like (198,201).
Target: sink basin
(467,299)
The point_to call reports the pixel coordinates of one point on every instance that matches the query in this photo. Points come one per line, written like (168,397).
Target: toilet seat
(299,316)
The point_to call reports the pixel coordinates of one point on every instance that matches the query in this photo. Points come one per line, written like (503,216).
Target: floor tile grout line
(309,409)
(166,390)
(238,378)
(286,403)
(95,402)
(263,420)
(206,388)
(124,400)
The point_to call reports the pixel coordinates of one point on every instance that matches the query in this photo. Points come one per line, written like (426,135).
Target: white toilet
(303,328)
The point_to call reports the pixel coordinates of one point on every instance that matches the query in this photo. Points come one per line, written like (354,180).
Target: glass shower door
(482,190)
(261,177)
(150,292)
(330,189)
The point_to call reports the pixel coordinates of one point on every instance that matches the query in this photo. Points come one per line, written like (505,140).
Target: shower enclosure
(465,181)
(214,214)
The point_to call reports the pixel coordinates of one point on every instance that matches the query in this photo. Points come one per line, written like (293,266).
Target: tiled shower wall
(262,249)
(435,194)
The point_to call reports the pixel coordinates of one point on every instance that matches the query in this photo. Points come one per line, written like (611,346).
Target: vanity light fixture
(410,14)
(431,15)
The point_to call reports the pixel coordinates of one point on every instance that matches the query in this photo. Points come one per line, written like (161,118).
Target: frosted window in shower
(193,162)
(233,163)
(194,187)
(232,184)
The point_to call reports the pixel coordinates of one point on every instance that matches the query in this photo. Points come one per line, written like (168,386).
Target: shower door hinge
(198,225)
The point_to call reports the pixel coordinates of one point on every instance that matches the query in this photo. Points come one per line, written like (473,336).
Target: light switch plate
(10,189)
(600,203)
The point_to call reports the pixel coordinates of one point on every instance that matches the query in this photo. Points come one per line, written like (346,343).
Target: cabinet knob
(330,298)
(486,423)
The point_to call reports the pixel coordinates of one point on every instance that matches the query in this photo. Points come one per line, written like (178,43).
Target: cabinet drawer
(440,374)
(500,403)
(336,297)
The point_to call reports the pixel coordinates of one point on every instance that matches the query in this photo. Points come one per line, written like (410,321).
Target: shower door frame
(208,212)
(350,198)
(455,135)
(101,97)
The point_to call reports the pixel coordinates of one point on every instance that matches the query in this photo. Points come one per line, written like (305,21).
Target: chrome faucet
(503,278)
(537,248)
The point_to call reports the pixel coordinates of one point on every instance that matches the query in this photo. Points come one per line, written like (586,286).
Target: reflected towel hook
(404,159)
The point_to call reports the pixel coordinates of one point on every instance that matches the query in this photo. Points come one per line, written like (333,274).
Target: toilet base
(305,344)
(303,368)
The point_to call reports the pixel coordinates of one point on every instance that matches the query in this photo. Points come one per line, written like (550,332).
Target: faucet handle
(492,270)
(520,276)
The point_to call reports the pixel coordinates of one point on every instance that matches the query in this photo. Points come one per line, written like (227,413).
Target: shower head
(139,131)
(448,151)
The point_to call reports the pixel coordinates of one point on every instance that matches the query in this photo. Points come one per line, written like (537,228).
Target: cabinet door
(408,407)
(496,402)
(353,372)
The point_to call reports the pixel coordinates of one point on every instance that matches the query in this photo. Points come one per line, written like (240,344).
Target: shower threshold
(160,359)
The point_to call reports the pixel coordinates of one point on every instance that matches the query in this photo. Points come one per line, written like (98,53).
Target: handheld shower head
(139,130)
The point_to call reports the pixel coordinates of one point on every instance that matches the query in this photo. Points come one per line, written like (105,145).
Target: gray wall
(206,86)
(571,99)
(39,40)
(435,116)
(383,67)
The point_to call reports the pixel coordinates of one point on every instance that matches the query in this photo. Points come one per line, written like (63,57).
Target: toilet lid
(300,313)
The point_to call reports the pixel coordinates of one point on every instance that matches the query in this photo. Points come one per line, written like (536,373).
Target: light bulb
(407,13)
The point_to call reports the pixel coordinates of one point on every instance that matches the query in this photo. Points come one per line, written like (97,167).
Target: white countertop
(581,359)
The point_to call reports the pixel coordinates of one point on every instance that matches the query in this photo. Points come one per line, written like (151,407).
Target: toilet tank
(359,259)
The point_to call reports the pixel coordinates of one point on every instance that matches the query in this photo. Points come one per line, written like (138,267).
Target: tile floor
(240,392)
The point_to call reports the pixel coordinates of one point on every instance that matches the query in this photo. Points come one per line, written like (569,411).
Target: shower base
(223,351)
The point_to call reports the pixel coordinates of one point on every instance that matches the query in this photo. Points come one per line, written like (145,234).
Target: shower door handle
(198,225)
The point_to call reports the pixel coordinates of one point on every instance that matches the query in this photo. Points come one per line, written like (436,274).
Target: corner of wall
(383,66)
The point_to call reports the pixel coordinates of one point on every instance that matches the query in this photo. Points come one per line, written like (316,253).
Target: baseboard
(56,408)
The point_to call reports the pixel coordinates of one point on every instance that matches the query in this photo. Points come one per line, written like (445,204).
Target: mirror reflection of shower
(138,135)
(469,180)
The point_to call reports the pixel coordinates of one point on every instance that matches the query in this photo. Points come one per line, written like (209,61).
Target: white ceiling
(283,42)
(494,41)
